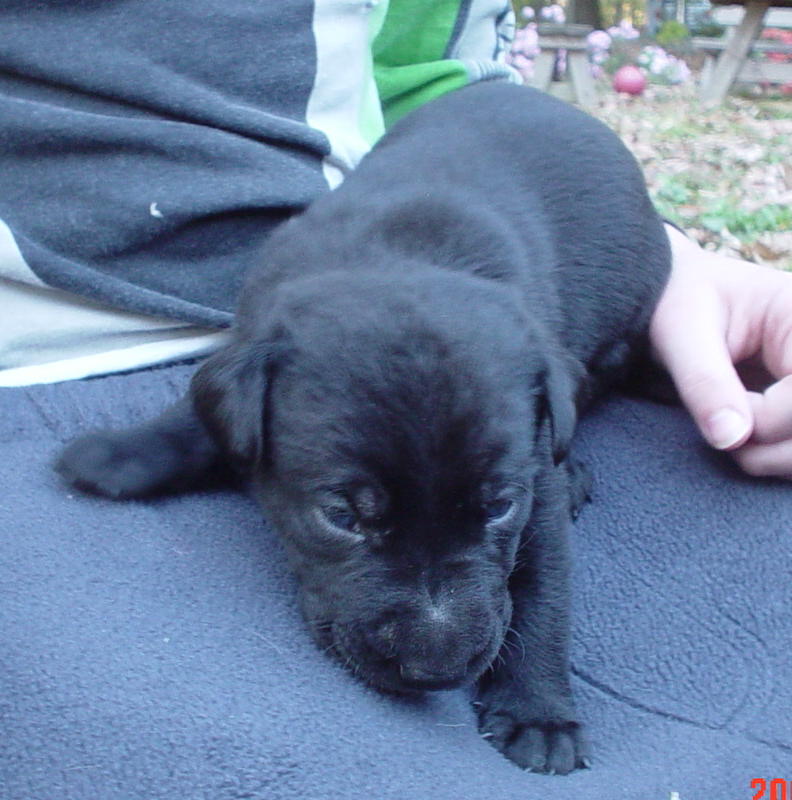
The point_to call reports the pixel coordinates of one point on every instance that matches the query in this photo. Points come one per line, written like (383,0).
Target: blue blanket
(155,649)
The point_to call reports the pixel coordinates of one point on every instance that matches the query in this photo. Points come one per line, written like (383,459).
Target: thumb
(691,343)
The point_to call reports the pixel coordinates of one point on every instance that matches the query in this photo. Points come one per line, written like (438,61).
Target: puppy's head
(392,427)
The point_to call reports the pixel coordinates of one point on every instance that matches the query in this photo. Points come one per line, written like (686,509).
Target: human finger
(772,413)
(766,460)
(688,335)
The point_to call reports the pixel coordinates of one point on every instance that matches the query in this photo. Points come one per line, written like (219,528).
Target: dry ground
(724,175)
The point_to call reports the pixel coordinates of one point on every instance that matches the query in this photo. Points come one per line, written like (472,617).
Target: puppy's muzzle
(415,677)
(432,652)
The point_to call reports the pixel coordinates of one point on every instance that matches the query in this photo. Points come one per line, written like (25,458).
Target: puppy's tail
(172,452)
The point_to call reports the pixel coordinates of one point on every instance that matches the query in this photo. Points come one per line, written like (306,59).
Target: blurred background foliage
(722,174)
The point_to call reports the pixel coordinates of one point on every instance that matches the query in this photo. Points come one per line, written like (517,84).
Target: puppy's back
(559,191)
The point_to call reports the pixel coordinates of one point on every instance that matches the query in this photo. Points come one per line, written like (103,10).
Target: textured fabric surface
(148,148)
(155,649)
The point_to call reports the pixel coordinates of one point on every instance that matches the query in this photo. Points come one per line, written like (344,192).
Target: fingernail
(725,428)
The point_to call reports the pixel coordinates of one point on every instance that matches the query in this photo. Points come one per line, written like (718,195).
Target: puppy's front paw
(526,733)
(116,464)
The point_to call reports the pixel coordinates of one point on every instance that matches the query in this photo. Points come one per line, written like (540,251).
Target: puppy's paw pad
(551,748)
(115,465)
(547,749)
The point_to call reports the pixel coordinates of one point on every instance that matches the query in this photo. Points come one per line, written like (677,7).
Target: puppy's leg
(169,452)
(525,699)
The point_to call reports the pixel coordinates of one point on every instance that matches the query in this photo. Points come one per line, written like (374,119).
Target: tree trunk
(586,12)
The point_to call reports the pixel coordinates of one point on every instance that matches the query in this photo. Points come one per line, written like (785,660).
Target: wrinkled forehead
(432,379)
(410,425)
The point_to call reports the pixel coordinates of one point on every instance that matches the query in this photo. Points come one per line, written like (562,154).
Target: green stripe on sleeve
(409,63)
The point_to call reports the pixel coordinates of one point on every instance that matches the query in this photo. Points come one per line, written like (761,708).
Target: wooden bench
(750,71)
(577,84)
(732,63)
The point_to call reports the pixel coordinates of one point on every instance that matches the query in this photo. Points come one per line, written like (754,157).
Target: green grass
(727,214)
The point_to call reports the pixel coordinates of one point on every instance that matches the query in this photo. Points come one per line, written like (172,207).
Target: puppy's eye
(344,519)
(498,511)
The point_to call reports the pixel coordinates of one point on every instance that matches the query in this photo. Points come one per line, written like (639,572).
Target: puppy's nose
(437,674)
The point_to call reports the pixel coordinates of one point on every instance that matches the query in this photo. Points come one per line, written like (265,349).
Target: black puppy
(402,385)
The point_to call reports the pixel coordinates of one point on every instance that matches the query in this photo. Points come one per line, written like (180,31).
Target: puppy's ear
(560,378)
(229,395)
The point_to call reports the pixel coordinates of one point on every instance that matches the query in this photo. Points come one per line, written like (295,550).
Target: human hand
(717,312)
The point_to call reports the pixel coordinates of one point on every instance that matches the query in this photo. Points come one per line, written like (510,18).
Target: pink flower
(554,13)
(523,64)
(624,30)
(598,40)
(531,41)
(526,41)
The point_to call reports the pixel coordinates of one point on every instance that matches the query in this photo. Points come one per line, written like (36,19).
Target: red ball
(629,79)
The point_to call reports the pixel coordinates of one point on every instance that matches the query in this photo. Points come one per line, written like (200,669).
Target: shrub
(672,33)
(708,27)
